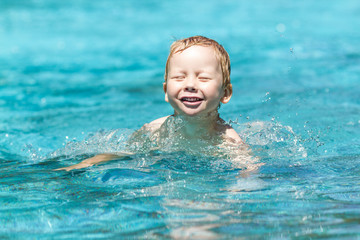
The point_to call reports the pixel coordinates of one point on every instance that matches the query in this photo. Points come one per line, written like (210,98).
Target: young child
(197,81)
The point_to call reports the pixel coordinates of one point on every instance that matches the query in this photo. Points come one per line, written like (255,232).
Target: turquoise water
(78,77)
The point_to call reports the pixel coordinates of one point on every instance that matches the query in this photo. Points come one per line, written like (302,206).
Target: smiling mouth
(191,99)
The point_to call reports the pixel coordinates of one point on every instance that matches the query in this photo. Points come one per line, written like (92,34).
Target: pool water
(77,78)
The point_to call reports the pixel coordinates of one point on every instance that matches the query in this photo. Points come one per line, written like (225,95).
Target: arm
(95,160)
(136,137)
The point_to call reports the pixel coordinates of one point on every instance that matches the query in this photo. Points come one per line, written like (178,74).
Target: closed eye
(204,79)
(178,77)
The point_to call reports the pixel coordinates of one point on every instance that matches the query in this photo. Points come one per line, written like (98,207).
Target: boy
(197,81)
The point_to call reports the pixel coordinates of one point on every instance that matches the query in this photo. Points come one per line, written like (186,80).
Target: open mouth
(191,99)
(191,102)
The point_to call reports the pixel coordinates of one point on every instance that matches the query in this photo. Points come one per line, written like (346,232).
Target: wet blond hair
(220,53)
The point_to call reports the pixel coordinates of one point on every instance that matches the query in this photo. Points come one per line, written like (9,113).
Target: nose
(190,84)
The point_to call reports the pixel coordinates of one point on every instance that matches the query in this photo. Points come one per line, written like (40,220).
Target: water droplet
(281,28)
(43,101)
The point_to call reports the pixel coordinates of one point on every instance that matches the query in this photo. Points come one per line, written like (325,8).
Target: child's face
(195,82)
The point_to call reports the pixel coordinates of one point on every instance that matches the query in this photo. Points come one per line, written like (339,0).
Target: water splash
(170,137)
(99,142)
(266,140)
(271,139)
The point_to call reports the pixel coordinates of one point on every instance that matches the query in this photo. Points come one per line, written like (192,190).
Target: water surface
(77,78)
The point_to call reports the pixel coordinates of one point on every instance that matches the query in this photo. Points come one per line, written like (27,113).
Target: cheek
(213,91)
(172,88)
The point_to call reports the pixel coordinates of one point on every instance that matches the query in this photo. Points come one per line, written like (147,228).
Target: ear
(227,94)
(166,96)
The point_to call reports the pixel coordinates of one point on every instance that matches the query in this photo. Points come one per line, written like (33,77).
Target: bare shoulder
(158,121)
(146,129)
(232,135)
(154,125)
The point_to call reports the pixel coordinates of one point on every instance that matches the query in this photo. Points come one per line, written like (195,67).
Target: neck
(199,126)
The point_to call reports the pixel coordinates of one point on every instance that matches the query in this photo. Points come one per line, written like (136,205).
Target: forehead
(195,54)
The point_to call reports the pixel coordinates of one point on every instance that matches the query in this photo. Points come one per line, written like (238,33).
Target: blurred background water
(73,71)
